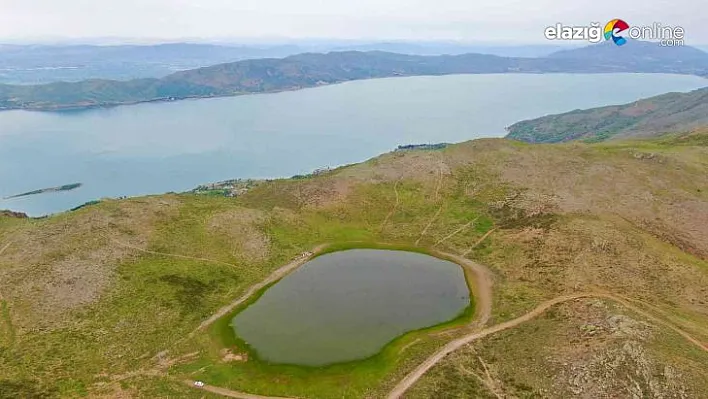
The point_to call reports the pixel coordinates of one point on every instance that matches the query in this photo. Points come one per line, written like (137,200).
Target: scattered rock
(625,370)
(624,326)
(643,155)
(11,214)
(227,356)
(591,329)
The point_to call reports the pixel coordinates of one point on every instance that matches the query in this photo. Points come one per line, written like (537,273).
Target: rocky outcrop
(11,214)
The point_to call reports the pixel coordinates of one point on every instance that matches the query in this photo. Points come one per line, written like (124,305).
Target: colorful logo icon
(612,28)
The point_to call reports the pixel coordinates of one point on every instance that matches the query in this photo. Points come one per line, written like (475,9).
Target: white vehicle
(198,384)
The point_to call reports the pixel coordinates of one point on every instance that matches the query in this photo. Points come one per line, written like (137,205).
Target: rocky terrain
(107,301)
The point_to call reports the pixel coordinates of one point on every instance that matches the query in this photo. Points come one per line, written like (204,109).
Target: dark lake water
(348,305)
(160,147)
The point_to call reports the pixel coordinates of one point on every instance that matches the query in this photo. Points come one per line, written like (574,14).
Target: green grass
(7,338)
(164,298)
(359,376)
(154,301)
(523,361)
(356,223)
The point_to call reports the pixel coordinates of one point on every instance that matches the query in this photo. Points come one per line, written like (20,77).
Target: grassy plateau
(106,301)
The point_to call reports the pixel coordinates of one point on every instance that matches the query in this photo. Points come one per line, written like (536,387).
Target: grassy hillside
(310,70)
(648,117)
(36,64)
(637,51)
(103,301)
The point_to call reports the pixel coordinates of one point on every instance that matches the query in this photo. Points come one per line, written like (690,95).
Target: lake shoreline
(161,148)
(78,107)
(224,335)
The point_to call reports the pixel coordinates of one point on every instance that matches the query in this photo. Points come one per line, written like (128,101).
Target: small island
(66,187)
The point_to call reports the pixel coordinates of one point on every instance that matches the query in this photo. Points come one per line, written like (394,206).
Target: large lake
(160,147)
(348,305)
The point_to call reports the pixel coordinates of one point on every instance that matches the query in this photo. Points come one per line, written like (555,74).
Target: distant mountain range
(37,64)
(315,69)
(672,112)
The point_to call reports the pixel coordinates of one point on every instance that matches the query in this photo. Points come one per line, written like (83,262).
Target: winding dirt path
(630,303)
(395,206)
(438,185)
(430,223)
(454,233)
(5,247)
(481,240)
(483,313)
(456,344)
(273,277)
(129,246)
(481,287)
(482,290)
(231,394)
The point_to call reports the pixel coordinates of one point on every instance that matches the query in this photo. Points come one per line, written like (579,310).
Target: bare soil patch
(242,228)
(57,264)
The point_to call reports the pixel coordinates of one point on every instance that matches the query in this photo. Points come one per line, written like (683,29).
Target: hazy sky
(518,21)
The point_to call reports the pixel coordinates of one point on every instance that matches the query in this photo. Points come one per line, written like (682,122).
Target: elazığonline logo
(665,35)
(614,27)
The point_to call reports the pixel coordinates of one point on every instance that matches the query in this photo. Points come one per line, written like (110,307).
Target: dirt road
(430,223)
(447,237)
(483,314)
(5,247)
(456,344)
(482,291)
(481,240)
(395,206)
(207,260)
(275,276)
(481,287)
(438,185)
(229,393)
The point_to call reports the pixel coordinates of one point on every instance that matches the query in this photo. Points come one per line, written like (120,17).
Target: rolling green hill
(648,117)
(106,301)
(314,69)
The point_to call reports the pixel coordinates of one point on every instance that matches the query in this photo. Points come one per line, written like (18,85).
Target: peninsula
(315,69)
(66,187)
